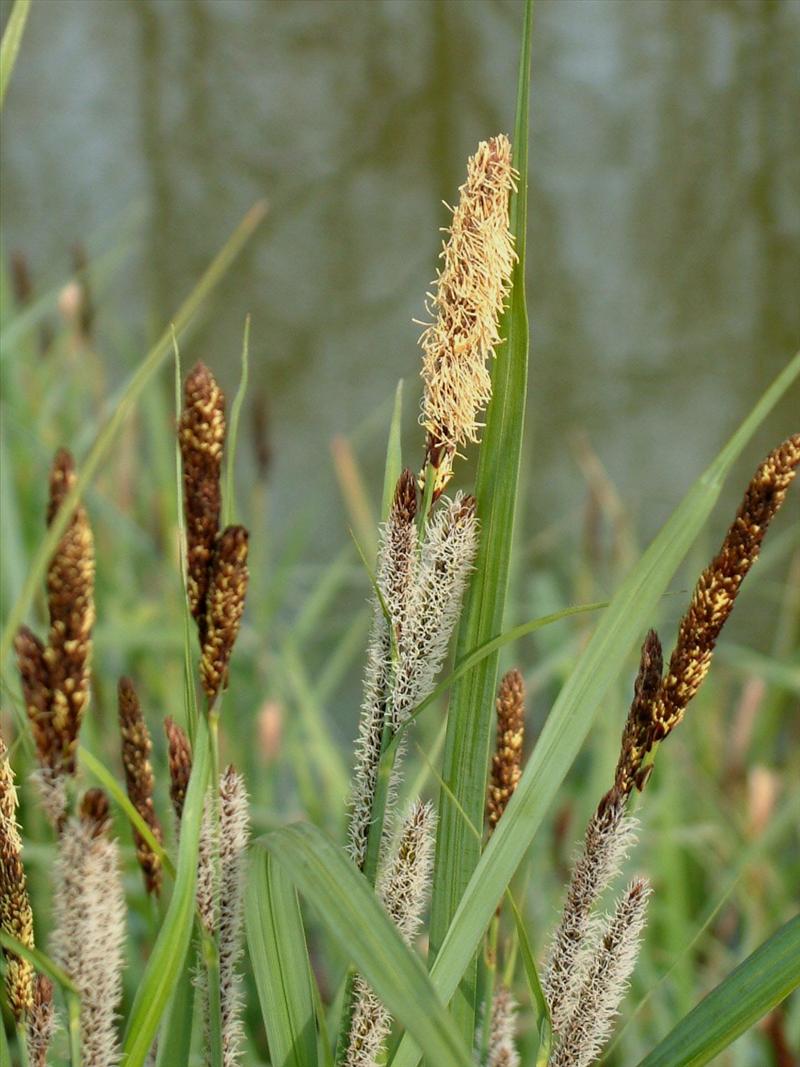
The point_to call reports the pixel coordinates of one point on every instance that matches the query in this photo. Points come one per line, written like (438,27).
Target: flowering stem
(490,958)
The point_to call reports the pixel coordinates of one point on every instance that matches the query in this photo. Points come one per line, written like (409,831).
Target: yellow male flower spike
(471,288)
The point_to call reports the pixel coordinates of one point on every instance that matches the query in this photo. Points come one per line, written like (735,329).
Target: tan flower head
(507,757)
(638,732)
(471,287)
(224,606)
(201,434)
(136,749)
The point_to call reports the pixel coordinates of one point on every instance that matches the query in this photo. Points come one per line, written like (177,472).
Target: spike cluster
(16,917)
(89,912)
(605,982)
(421,588)
(220,894)
(402,889)
(136,749)
(180,764)
(55,677)
(470,291)
(216,561)
(507,758)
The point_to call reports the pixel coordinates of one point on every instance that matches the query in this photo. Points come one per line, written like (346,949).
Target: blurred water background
(664,214)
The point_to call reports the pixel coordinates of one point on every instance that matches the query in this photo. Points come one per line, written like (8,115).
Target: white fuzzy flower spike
(89,911)
(502,1031)
(587,1029)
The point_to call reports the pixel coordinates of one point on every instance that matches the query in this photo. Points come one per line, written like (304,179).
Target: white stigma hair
(606,981)
(502,1031)
(403,890)
(220,898)
(609,836)
(89,912)
(422,590)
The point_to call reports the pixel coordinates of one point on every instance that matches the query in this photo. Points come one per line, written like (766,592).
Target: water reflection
(664,216)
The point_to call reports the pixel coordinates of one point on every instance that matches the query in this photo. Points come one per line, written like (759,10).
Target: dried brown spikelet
(224,606)
(180,764)
(638,731)
(95,812)
(136,749)
(201,434)
(16,917)
(41,1021)
(718,585)
(471,288)
(507,757)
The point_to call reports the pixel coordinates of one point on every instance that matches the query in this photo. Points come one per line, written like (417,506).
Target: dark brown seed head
(95,812)
(180,764)
(201,434)
(136,749)
(716,591)
(70,589)
(16,917)
(507,758)
(224,607)
(637,737)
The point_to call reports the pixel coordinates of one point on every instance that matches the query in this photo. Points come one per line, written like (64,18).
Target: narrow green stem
(74,1030)
(22,1045)
(427,498)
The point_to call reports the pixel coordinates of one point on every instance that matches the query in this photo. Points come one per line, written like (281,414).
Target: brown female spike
(16,917)
(180,764)
(136,749)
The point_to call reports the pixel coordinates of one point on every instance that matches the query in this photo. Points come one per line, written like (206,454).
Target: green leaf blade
(277,948)
(756,986)
(355,920)
(468,738)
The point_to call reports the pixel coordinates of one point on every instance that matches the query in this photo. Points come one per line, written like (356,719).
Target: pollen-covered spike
(70,597)
(396,577)
(16,917)
(224,607)
(201,435)
(719,584)
(139,780)
(471,287)
(507,758)
(608,838)
(638,731)
(503,1031)
(180,764)
(586,1031)
(89,912)
(41,1021)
